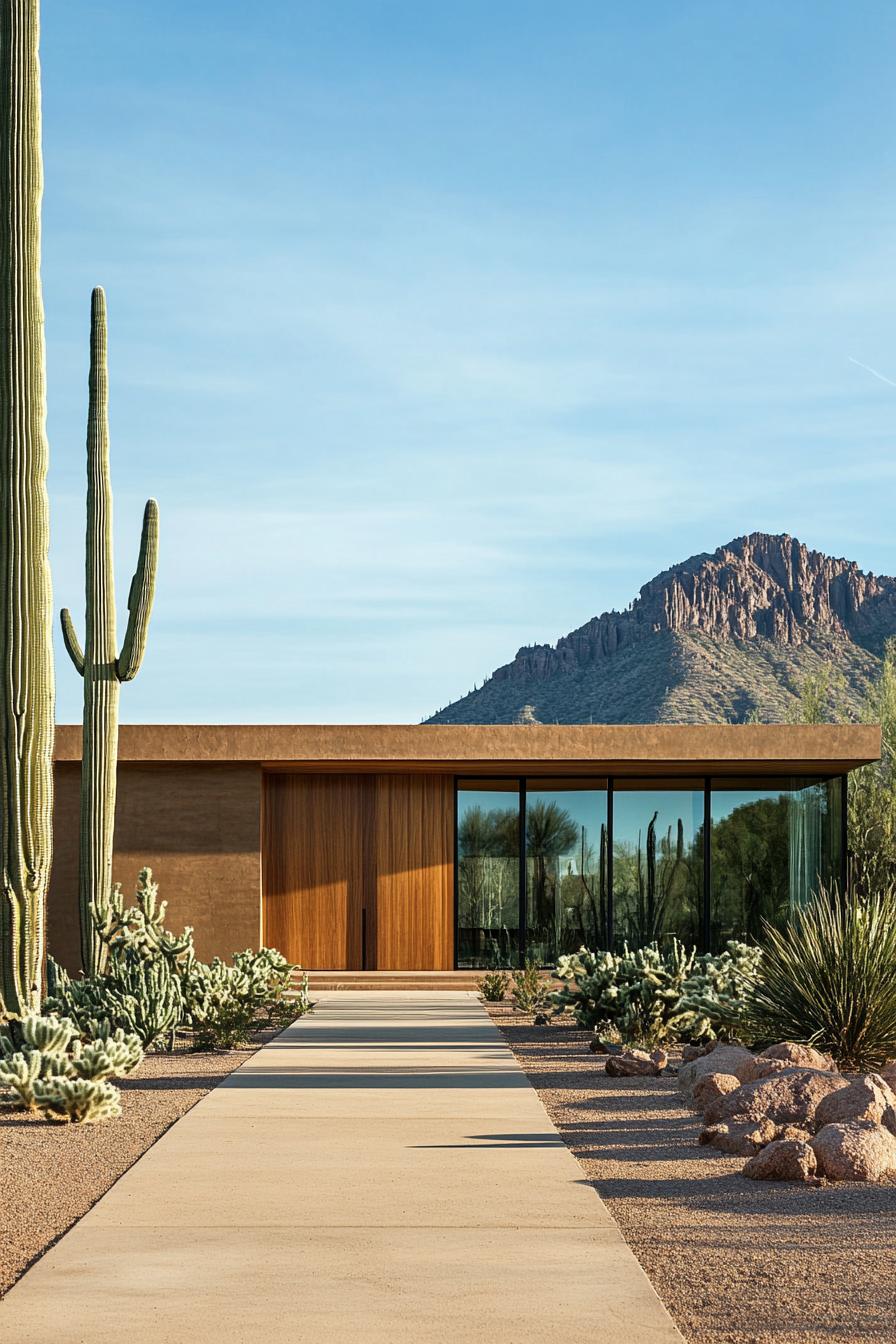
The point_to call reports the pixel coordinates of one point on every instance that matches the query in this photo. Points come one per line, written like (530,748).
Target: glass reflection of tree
(750,867)
(550,833)
(489,865)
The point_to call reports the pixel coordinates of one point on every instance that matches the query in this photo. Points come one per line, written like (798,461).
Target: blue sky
(437,329)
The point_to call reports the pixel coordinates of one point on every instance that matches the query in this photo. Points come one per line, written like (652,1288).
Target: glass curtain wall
(547,865)
(772,844)
(488,873)
(657,861)
(566,867)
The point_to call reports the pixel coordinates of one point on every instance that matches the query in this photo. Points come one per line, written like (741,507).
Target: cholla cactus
(21,1072)
(138,996)
(221,1002)
(100,663)
(716,991)
(655,994)
(50,1034)
(107,1057)
(78,1100)
(140,929)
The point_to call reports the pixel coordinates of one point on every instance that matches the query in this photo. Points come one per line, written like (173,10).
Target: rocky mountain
(721,637)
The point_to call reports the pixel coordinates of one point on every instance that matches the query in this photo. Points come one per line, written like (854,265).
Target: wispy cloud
(868,369)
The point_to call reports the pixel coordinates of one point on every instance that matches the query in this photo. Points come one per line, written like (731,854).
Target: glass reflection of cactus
(657,865)
(771,843)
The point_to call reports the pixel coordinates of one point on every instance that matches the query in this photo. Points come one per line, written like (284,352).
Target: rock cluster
(792,1114)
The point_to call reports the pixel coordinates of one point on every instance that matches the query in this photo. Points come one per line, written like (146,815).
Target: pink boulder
(867,1098)
(723,1059)
(758,1067)
(711,1086)
(740,1140)
(787,1098)
(855,1151)
(888,1073)
(636,1063)
(783,1160)
(799,1056)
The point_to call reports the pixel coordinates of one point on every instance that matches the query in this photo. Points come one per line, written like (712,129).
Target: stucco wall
(199,829)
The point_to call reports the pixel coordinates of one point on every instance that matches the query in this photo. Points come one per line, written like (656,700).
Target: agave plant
(829,978)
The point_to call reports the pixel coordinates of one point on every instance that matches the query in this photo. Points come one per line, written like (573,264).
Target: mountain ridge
(724,634)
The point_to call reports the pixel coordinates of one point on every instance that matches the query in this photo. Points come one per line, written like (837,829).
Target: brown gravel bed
(736,1261)
(51,1174)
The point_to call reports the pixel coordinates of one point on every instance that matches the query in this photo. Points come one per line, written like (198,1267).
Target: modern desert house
(455,846)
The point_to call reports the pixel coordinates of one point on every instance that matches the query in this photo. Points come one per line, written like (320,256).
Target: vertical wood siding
(350,853)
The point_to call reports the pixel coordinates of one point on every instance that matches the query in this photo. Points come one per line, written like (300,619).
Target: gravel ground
(736,1261)
(51,1174)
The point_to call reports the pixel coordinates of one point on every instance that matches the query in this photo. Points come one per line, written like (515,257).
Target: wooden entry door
(314,871)
(357,870)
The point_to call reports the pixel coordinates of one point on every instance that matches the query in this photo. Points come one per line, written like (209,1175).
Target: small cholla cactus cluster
(46,1066)
(153,985)
(657,994)
(494,985)
(530,990)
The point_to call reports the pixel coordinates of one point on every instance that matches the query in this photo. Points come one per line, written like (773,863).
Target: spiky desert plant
(78,1100)
(140,928)
(493,986)
(107,1056)
(829,979)
(99,662)
(26,651)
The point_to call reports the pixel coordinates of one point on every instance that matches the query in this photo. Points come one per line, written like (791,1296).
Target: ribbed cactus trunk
(26,651)
(101,684)
(102,668)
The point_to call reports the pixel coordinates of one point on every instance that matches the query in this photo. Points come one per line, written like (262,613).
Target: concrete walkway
(381,1172)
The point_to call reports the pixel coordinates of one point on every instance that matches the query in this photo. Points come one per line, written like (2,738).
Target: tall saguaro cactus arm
(101,666)
(71,641)
(26,623)
(143,587)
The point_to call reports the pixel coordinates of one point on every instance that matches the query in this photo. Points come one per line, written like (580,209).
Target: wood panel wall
(414,872)
(316,883)
(358,870)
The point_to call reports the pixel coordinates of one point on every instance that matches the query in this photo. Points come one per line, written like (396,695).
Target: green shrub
(829,979)
(530,993)
(656,994)
(493,986)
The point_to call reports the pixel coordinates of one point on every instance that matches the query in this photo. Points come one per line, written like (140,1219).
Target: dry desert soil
(736,1261)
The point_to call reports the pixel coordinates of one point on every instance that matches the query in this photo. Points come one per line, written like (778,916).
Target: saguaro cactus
(101,666)
(26,619)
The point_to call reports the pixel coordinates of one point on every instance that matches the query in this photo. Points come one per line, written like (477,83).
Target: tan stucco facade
(198,828)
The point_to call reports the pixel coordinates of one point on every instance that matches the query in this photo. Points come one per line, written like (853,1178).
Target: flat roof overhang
(473,749)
